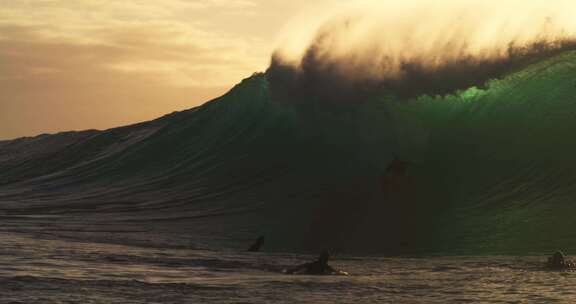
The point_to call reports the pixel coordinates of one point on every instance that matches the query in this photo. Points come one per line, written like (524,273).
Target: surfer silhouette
(558,261)
(397,167)
(257,244)
(394,175)
(318,267)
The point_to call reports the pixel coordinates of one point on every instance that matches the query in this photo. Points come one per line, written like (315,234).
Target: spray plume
(417,47)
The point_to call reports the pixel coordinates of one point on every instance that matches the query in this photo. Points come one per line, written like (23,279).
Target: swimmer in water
(558,261)
(318,267)
(257,244)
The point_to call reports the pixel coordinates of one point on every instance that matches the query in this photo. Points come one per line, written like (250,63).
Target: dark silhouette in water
(318,267)
(399,210)
(257,244)
(558,261)
(397,167)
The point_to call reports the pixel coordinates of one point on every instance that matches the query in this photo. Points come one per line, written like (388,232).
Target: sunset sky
(83,64)
(73,65)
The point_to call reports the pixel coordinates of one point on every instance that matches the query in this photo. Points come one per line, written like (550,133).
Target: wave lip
(417,47)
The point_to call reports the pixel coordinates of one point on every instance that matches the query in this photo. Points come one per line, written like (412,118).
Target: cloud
(149,38)
(54,86)
(101,63)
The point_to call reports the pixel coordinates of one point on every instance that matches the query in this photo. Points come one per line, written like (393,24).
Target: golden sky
(80,64)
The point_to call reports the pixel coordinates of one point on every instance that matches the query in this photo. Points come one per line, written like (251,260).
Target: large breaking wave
(467,151)
(480,170)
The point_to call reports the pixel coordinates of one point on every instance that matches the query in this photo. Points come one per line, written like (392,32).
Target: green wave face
(506,154)
(485,170)
(490,170)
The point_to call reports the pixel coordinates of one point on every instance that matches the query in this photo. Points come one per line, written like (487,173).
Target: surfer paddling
(318,267)
(558,261)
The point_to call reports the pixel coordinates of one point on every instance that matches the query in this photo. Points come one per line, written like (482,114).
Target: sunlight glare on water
(40,269)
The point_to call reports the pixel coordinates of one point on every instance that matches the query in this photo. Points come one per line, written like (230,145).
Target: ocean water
(52,266)
(484,170)
(479,184)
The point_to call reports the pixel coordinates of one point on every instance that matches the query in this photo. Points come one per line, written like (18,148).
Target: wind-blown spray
(420,47)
